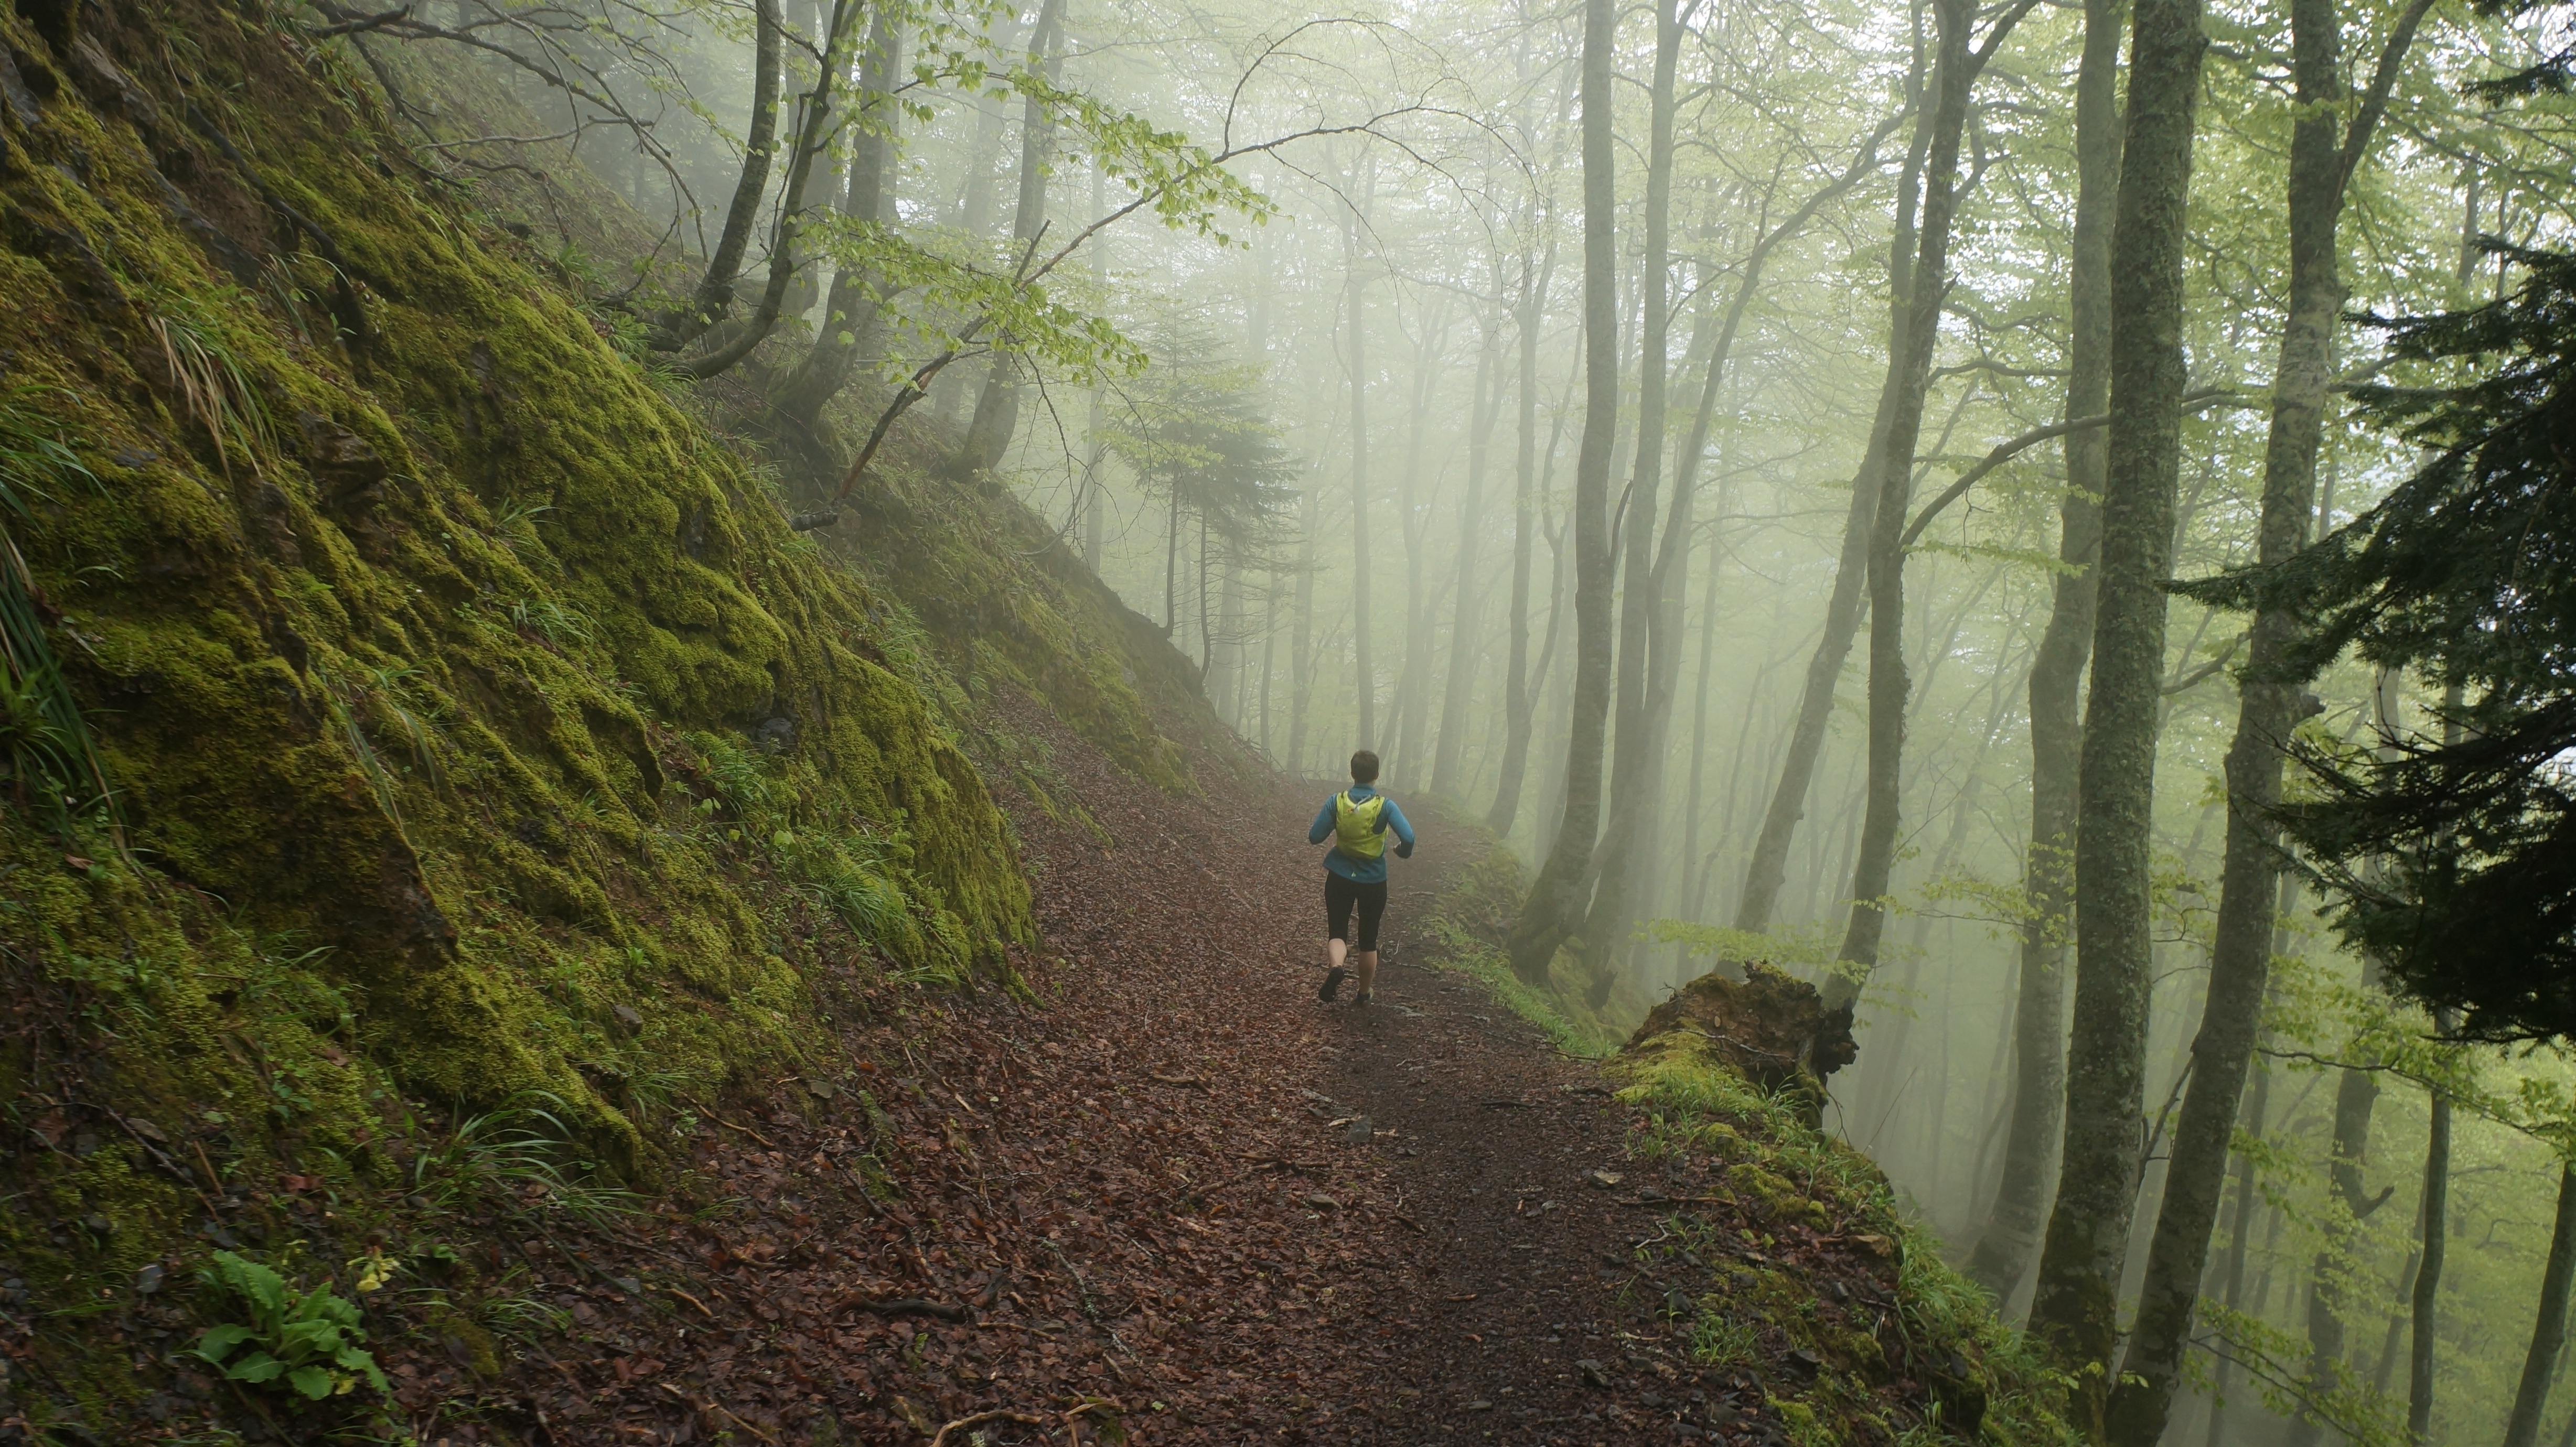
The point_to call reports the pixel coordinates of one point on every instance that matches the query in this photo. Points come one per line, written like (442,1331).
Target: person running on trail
(1357,820)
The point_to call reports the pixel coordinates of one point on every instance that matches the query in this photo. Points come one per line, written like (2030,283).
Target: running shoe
(1332,983)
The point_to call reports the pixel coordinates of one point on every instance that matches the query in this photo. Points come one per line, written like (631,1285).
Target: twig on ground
(746,1130)
(980,1418)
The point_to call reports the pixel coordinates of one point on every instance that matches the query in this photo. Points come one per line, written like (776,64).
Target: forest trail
(1147,1193)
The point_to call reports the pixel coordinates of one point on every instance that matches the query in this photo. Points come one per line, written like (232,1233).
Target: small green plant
(307,1342)
(1721,1342)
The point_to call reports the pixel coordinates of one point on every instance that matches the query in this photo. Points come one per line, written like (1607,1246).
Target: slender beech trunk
(2004,1251)
(1095,498)
(812,138)
(2240,1226)
(1601,930)
(1554,896)
(848,317)
(714,295)
(1207,636)
(2076,1309)
(1637,793)
(1520,695)
(1172,565)
(2549,1331)
(1413,670)
(975,201)
(2356,1099)
(1458,696)
(1301,646)
(1366,667)
(2425,1300)
(1768,865)
(997,409)
(1269,660)
(2322,159)
(1693,802)
(1910,367)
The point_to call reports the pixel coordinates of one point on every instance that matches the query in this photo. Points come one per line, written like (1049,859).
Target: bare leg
(1337,951)
(1367,970)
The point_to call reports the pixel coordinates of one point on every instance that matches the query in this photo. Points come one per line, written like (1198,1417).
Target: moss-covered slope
(478,729)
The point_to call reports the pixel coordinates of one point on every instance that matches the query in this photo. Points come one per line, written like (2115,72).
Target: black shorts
(1340,894)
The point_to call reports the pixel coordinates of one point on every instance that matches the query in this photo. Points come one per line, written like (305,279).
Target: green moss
(416,662)
(1784,1172)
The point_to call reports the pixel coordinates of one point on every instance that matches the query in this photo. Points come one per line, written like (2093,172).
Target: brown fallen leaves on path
(1137,1203)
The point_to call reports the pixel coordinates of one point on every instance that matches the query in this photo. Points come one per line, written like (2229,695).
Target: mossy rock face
(395,605)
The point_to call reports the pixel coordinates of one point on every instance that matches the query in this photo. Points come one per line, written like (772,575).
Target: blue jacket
(1362,871)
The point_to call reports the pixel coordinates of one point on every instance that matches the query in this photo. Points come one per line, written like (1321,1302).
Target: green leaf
(311,1381)
(256,1367)
(219,1341)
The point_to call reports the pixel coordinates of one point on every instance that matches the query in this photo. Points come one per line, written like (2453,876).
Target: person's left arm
(1401,828)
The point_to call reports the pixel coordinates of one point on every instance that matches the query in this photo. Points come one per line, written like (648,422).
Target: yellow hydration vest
(1357,831)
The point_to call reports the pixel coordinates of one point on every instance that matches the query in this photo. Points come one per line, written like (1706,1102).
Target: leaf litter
(1134,1206)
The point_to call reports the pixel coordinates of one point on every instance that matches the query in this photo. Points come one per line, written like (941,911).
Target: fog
(1293,325)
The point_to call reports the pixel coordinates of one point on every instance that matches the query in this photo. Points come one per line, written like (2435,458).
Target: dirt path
(1148,1192)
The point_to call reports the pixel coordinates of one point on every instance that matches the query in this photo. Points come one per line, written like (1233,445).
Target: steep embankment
(481,739)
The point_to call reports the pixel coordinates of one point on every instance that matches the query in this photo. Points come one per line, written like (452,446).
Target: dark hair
(1364,767)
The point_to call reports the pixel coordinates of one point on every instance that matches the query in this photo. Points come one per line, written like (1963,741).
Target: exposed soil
(1147,1190)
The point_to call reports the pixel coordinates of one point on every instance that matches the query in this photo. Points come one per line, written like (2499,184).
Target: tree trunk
(1413,669)
(1769,864)
(975,201)
(1910,368)
(2077,1306)
(1520,693)
(2426,1298)
(1637,791)
(714,296)
(1638,602)
(1172,565)
(2004,1249)
(1095,500)
(1693,805)
(2549,1332)
(1360,620)
(1458,696)
(997,409)
(1301,647)
(2240,1226)
(2321,162)
(1554,896)
(848,317)
(812,138)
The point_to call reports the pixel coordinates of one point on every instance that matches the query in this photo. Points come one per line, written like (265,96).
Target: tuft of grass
(522,1157)
(54,762)
(214,384)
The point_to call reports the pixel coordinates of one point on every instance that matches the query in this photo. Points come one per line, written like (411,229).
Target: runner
(1357,820)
